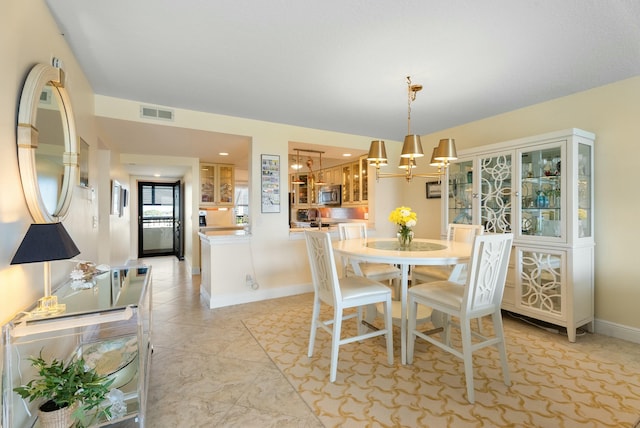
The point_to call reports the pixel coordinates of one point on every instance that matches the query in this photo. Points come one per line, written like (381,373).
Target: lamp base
(48,305)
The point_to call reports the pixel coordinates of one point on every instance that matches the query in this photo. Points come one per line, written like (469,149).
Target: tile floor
(207,370)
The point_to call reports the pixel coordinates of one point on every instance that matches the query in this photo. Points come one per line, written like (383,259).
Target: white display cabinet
(541,189)
(111,319)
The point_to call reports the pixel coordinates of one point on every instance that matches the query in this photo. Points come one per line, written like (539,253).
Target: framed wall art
(434,190)
(83,161)
(270,183)
(115,197)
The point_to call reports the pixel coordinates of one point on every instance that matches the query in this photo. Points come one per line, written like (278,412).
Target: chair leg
(359,318)
(411,327)
(480,329)
(335,342)
(388,325)
(465,330)
(314,326)
(502,346)
(446,332)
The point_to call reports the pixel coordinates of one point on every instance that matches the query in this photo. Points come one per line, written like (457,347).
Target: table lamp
(45,242)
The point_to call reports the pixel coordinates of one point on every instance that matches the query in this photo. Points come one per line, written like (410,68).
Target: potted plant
(70,391)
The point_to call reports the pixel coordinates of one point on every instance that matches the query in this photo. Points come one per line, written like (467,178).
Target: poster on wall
(270,183)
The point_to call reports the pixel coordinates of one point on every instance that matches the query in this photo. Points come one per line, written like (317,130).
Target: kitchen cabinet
(217,183)
(300,191)
(355,186)
(109,324)
(541,189)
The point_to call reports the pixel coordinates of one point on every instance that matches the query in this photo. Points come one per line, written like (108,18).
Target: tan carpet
(554,383)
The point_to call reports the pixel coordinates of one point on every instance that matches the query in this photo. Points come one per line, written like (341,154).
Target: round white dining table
(420,252)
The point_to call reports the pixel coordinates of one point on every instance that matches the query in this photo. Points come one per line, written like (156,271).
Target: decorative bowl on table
(113,358)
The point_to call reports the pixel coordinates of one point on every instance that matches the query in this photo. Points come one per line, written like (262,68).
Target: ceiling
(341,65)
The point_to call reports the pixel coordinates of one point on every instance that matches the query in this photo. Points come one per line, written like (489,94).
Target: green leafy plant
(66,384)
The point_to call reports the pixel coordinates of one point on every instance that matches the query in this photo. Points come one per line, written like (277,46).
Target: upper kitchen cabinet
(355,188)
(217,183)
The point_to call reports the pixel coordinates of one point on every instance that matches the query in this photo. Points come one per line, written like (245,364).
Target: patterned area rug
(554,383)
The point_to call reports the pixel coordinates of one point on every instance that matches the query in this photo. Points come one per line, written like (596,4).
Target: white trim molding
(618,331)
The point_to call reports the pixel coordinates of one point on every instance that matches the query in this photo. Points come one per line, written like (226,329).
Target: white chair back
(323,268)
(463,232)
(352,230)
(487,273)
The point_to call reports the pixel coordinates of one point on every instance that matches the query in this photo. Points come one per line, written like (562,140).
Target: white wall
(28,35)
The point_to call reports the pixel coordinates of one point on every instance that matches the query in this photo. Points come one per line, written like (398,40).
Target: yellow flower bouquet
(405,219)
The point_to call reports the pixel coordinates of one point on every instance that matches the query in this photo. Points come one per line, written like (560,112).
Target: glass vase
(405,238)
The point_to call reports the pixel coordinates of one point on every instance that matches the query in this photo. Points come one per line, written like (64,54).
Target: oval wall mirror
(47,144)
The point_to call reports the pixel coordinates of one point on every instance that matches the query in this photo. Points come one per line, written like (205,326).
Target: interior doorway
(160,219)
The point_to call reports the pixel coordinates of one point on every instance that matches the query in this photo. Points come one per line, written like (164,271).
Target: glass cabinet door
(355,180)
(364,177)
(495,193)
(460,204)
(585,222)
(346,184)
(207,183)
(302,190)
(226,183)
(541,191)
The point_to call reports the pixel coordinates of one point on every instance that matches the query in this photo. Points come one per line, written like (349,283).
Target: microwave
(330,195)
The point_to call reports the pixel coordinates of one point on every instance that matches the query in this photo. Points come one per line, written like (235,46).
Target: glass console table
(107,321)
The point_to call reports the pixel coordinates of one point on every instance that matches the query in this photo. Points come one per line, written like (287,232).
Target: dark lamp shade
(45,242)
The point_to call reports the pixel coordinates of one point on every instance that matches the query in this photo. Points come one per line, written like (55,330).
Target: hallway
(207,370)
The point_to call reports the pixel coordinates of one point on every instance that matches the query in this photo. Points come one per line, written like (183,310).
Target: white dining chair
(348,292)
(481,295)
(455,232)
(375,271)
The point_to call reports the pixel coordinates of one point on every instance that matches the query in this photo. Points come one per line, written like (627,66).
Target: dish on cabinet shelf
(528,224)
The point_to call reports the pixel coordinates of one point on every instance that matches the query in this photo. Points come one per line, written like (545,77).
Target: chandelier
(412,149)
(315,181)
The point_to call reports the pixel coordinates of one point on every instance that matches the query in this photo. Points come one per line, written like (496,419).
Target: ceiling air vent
(156,113)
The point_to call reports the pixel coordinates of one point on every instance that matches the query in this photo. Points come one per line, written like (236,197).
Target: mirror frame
(27,140)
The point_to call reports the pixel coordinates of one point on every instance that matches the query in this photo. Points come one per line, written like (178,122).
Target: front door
(160,220)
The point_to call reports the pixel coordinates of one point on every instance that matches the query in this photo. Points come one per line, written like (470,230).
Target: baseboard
(619,331)
(219,301)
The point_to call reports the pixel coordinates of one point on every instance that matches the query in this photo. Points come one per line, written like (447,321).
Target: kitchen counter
(206,229)
(221,235)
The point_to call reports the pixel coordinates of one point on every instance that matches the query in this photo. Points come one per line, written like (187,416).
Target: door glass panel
(541,282)
(461,192)
(157,220)
(541,184)
(495,189)
(585,221)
